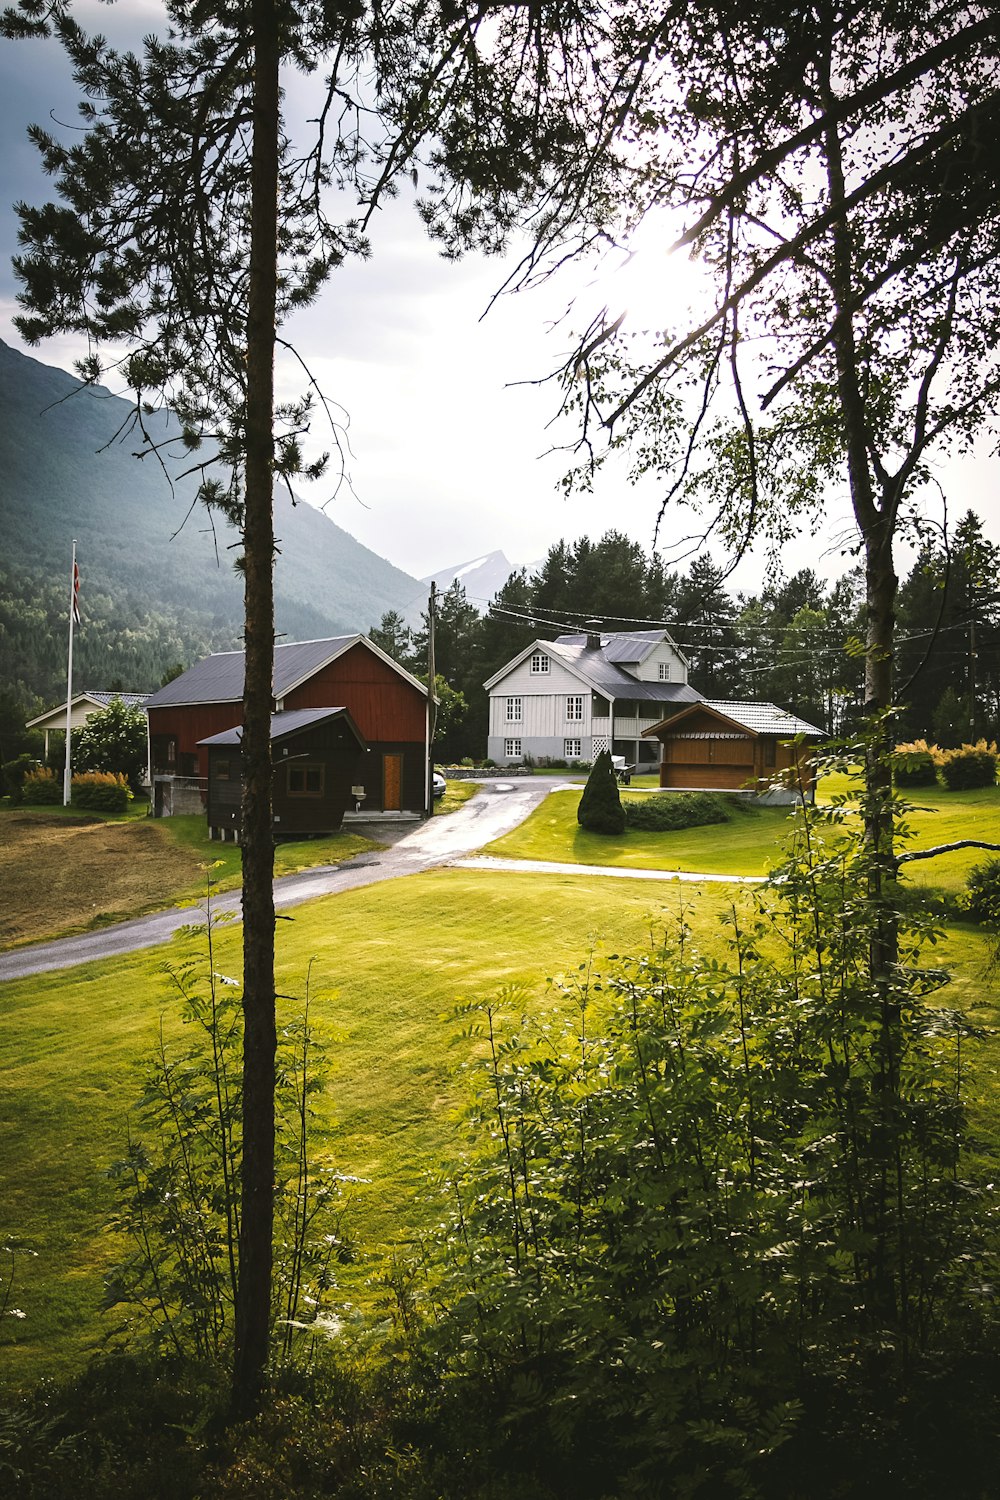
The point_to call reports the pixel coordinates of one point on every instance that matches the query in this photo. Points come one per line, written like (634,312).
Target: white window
(664,671)
(512,747)
(513,710)
(574,709)
(571,749)
(539,662)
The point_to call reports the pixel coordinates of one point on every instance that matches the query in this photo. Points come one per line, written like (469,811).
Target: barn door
(392,783)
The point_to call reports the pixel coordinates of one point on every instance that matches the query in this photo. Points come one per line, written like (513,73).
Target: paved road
(496,808)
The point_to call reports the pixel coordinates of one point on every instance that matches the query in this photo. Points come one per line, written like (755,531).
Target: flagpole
(67,775)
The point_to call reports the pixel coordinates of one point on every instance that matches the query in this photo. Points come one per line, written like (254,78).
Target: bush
(600,809)
(42,786)
(14,772)
(971,766)
(113,739)
(676,1254)
(983,900)
(676,810)
(101,791)
(916,764)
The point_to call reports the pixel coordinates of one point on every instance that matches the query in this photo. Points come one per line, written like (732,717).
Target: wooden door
(392,783)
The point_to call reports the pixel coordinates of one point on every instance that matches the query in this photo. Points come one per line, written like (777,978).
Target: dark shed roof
(292,721)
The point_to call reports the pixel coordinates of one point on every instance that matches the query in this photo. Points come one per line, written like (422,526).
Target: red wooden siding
(383,705)
(191,723)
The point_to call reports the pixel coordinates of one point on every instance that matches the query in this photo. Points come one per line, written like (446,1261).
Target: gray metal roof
(290,721)
(756,718)
(624,645)
(608,678)
(130,700)
(219,678)
(763,718)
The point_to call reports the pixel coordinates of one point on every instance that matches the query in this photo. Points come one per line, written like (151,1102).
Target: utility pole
(431,704)
(74,619)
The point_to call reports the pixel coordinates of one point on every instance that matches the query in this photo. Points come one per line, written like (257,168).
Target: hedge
(676,810)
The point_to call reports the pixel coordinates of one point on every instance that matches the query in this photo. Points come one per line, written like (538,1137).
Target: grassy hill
(158,582)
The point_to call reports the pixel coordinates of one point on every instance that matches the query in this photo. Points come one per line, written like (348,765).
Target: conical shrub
(600,809)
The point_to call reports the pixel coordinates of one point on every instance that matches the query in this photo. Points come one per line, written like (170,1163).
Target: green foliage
(113,739)
(718,1197)
(600,809)
(953,588)
(13,774)
(178,1182)
(971,766)
(914,765)
(42,787)
(677,810)
(101,791)
(982,901)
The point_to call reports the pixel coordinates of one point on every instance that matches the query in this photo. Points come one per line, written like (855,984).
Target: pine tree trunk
(253,1302)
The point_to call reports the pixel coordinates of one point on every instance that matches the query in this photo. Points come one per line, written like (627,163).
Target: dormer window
(539,663)
(664,671)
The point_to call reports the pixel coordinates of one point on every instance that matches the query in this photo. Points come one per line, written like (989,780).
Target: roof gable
(219,678)
(754,719)
(99,698)
(601,675)
(288,723)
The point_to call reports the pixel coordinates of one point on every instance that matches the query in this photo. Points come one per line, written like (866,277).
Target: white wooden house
(570,698)
(83,705)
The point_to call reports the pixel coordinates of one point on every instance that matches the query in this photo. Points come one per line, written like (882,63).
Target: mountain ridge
(155,585)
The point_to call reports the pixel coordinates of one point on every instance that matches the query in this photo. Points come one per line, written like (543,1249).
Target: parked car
(438,783)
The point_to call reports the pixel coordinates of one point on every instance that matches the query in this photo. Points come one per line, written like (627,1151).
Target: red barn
(388,705)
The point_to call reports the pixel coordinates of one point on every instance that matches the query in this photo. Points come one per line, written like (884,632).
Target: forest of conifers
(795,643)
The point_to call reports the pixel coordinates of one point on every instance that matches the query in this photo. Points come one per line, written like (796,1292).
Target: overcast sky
(449,444)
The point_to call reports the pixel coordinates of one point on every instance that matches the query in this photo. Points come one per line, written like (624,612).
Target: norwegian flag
(76,594)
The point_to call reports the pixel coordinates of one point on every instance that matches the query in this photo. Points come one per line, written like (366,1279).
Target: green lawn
(750,843)
(191,832)
(746,846)
(390,964)
(137,808)
(940,817)
(455,793)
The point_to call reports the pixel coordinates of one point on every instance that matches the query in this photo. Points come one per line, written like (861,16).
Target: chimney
(593,635)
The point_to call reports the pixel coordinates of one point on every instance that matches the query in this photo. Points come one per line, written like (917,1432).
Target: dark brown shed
(318,755)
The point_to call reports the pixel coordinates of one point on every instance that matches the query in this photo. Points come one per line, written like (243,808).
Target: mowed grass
(391,963)
(939,817)
(63,872)
(750,843)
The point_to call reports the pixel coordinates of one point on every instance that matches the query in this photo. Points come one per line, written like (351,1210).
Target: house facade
(570,698)
(82,706)
(388,705)
(736,746)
